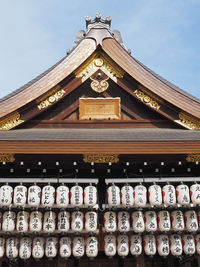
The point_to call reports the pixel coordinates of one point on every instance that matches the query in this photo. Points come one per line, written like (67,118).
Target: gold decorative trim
(99,86)
(100,61)
(99,108)
(100,158)
(7,157)
(193,158)
(10,121)
(50,99)
(144,97)
(188,121)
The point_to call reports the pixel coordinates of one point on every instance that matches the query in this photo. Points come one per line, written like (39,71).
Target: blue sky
(162,34)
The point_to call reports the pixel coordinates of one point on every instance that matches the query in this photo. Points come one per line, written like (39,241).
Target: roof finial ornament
(98,22)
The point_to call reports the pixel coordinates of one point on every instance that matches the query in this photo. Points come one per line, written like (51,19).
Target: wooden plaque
(99,108)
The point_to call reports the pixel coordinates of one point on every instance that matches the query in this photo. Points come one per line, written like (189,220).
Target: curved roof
(99,37)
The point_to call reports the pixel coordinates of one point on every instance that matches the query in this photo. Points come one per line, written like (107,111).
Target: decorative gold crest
(100,62)
(188,121)
(50,99)
(7,157)
(193,157)
(10,121)
(144,97)
(100,158)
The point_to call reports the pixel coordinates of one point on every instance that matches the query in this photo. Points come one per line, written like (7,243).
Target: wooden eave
(26,98)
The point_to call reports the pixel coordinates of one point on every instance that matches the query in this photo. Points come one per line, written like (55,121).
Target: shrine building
(99,163)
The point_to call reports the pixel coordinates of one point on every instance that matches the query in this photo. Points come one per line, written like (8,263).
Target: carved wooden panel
(99,108)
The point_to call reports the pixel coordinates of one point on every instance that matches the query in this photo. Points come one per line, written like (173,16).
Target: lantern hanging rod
(49,180)
(152,180)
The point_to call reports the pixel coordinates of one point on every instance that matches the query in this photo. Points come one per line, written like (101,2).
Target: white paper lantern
(164,222)
(140,193)
(12,247)
(191,221)
(110,247)
(110,221)
(76,196)
(136,245)
(35,224)
(163,245)
(22,221)
(137,219)
(127,196)
(25,248)
(34,195)
(149,245)
(51,247)
(177,220)
(38,248)
(122,245)
(77,221)
(123,221)
(169,195)
(65,247)
(48,196)
(91,221)
(49,222)
(91,247)
(176,245)
(78,248)
(183,194)
(62,196)
(2,247)
(188,244)
(20,193)
(90,195)
(197,243)
(6,194)
(195,193)
(150,219)
(63,221)
(8,223)
(155,195)
(113,196)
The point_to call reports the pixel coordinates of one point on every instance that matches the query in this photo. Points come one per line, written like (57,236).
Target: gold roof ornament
(100,158)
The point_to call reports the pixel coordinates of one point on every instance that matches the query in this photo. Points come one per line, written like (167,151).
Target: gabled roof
(177,105)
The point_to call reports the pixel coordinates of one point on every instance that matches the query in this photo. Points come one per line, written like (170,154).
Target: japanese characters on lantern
(2,246)
(12,247)
(90,195)
(62,196)
(164,222)
(6,194)
(191,221)
(176,245)
(51,247)
(91,247)
(65,247)
(113,195)
(177,220)
(169,195)
(140,193)
(183,194)
(155,195)
(35,224)
(78,248)
(150,219)
(48,196)
(122,245)
(123,221)
(49,222)
(25,248)
(77,221)
(136,245)
(188,244)
(197,243)
(110,247)
(22,221)
(76,196)
(127,196)
(38,247)
(110,221)
(195,193)
(63,221)
(149,245)
(8,224)
(34,195)
(91,221)
(19,197)
(137,219)
(163,245)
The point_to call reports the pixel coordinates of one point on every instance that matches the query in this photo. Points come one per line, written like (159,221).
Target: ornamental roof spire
(98,22)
